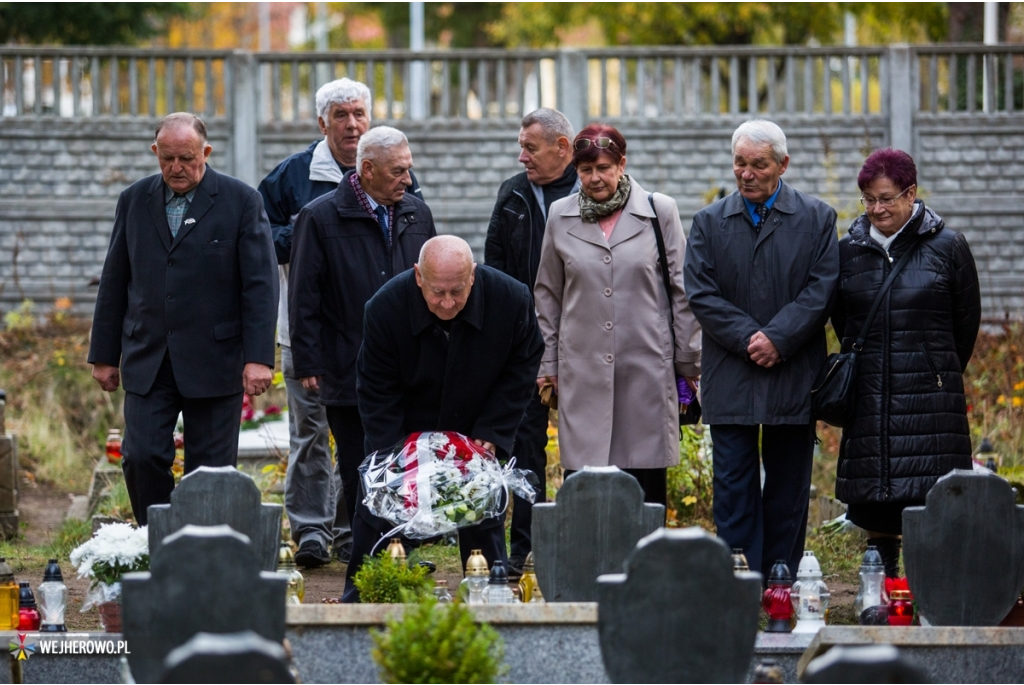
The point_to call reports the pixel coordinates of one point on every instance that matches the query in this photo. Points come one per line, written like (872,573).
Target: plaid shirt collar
(169,194)
(367,202)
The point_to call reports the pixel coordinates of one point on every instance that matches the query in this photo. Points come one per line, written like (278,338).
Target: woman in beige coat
(604,313)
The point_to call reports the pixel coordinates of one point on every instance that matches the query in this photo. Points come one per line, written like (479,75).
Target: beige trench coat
(603,312)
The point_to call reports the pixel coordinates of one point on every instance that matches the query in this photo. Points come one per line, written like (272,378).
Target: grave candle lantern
(113,446)
(810,596)
(477,575)
(739,560)
(901,608)
(776,599)
(296,591)
(871,602)
(396,551)
(28,615)
(498,591)
(53,599)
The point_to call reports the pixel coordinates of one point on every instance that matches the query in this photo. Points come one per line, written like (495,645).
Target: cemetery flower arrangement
(434,482)
(115,549)
(251,418)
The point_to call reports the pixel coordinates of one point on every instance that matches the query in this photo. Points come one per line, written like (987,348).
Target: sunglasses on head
(601,143)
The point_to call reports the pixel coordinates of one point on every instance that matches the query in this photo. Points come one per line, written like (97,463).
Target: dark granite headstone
(202,579)
(872,664)
(678,614)
(212,496)
(227,658)
(964,550)
(598,518)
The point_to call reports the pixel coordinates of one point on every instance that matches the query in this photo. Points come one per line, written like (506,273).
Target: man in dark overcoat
(447,346)
(347,244)
(514,238)
(185,308)
(760,269)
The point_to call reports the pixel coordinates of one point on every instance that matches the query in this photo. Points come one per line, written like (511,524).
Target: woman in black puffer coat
(910,426)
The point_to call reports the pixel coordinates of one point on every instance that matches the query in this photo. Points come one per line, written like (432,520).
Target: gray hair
(762,132)
(341,92)
(552,122)
(182,120)
(377,141)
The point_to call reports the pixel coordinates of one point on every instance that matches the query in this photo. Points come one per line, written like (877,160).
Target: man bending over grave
(448,345)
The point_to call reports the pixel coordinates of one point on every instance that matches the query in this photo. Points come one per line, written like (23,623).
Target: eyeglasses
(883,201)
(602,143)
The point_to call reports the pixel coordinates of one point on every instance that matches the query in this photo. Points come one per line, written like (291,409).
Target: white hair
(551,121)
(377,141)
(762,132)
(341,92)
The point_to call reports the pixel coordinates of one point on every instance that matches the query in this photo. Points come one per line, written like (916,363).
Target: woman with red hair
(910,424)
(618,346)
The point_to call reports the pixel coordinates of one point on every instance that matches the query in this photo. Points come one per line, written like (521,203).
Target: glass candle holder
(901,608)
(777,601)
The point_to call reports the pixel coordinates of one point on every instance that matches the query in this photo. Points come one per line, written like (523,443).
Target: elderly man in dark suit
(447,346)
(186,308)
(347,245)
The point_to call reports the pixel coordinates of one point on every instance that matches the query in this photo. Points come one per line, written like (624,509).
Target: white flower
(115,544)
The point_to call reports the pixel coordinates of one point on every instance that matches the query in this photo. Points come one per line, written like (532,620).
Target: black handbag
(834,397)
(691,415)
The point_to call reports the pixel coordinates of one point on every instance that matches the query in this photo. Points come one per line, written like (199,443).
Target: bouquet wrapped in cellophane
(434,482)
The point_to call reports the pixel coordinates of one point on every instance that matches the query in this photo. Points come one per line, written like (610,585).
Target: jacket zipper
(529,233)
(883,414)
(931,365)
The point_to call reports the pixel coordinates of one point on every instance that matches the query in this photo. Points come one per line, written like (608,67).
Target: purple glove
(686,395)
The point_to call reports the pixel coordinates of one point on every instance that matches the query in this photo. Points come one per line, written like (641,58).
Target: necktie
(382,218)
(762,212)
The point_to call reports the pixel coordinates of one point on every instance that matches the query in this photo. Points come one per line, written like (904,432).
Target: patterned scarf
(591,211)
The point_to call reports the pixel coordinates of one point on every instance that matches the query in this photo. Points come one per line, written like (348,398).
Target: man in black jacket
(346,246)
(186,309)
(447,346)
(514,237)
(313,500)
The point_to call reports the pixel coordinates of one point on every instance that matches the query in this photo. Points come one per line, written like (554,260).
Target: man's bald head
(445,272)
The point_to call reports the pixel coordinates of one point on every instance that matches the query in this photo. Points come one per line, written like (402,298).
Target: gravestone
(874,664)
(227,658)
(598,518)
(964,550)
(679,614)
(223,495)
(202,579)
(8,476)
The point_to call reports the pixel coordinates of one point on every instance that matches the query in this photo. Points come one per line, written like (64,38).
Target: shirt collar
(169,194)
(751,206)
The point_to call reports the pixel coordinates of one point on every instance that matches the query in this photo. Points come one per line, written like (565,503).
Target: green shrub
(690,483)
(438,643)
(383,581)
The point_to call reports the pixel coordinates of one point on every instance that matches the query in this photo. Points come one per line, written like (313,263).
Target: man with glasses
(761,266)
(514,237)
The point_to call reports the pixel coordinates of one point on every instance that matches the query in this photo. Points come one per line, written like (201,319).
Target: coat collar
(635,218)
(348,207)
(785,202)
(420,318)
(927,222)
(201,203)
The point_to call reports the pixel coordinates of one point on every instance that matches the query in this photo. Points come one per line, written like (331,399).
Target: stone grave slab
(964,550)
(202,579)
(868,664)
(945,654)
(227,658)
(223,495)
(678,614)
(589,530)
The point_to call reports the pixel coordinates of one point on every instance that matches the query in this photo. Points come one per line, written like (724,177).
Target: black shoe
(429,565)
(312,554)
(515,567)
(343,553)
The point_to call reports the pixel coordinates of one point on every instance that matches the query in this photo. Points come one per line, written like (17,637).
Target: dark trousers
(347,428)
(768,524)
(530,451)
(368,531)
(654,483)
(211,437)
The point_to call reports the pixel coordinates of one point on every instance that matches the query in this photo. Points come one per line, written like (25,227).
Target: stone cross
(964,550)
(202,579)
(598,518)
(212,496)
(227,658)
(678,614)
(868,664)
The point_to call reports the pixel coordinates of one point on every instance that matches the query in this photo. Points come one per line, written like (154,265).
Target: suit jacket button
(170,262)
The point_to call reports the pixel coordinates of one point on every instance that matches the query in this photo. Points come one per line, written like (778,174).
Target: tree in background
(86,23)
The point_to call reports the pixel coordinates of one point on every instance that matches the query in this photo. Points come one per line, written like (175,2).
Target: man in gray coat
(760,269)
